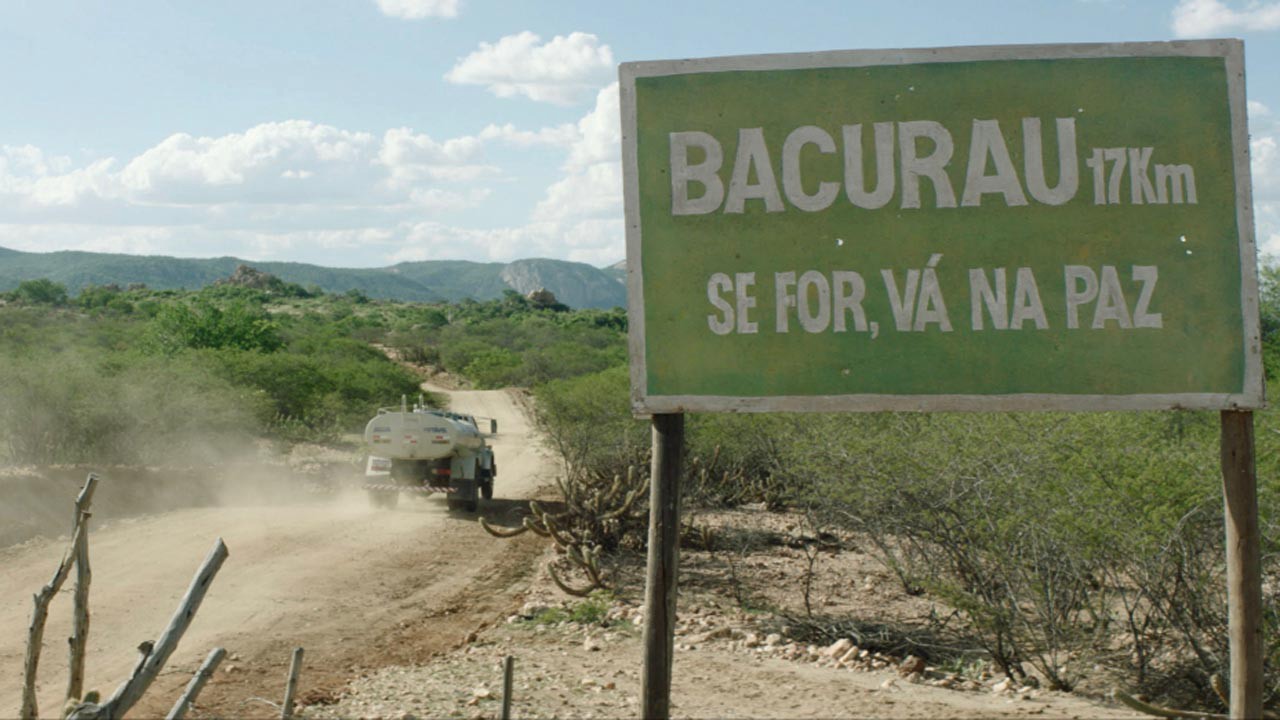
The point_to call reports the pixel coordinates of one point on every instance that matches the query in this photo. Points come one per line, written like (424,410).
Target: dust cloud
(37,501)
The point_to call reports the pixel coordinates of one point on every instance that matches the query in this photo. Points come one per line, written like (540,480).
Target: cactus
(597,516)
(503,533)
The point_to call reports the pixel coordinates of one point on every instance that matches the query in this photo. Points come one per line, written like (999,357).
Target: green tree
(200,324)
(41,292)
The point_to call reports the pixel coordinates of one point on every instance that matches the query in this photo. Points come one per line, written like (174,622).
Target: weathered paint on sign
(1002,228)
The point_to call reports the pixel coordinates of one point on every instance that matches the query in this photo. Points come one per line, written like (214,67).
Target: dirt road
(358,588)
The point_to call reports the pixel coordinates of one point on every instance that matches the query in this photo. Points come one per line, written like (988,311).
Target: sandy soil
(730,661)
(357,588)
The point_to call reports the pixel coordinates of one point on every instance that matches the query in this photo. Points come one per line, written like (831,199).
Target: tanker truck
(422,450)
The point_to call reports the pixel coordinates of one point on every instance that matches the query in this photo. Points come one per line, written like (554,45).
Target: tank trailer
(422,450)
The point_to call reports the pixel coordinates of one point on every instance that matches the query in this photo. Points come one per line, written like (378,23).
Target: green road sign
(999,228)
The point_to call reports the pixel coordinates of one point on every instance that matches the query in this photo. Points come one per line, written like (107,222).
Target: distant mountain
(618,271)
(575,284)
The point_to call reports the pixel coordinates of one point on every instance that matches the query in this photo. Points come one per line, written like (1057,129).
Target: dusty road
(358,588)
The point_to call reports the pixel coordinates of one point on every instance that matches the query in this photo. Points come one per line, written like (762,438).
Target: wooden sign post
(664,558)
(977,229)
(1244,564)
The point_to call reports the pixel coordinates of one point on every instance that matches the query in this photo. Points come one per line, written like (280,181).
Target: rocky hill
(618,271)
(575,284)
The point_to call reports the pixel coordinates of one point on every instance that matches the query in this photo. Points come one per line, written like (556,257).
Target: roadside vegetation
(138,376)
(135,375)
(514,341)
(1076,550)
(1081,551)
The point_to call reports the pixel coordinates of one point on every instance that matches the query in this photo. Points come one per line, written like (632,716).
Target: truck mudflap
(416,489)
(464,495)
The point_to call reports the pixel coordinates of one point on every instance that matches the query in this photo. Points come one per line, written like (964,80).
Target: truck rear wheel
(384,498)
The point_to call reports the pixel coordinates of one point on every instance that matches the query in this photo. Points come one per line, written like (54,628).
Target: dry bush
(1067,542)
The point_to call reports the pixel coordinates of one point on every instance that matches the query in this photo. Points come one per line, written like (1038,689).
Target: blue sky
(366,132)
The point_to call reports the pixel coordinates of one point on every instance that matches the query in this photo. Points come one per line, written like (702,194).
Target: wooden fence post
(1244,563)
(35,634)
(155,655)
(660,586)
(508,675)
(291,687)
(196,684)
(80,633)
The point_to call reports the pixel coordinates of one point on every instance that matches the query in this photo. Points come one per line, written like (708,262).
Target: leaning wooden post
(80,632)
(35,634)
(660,588)
(291,687)
(196,684)
(155,655)
(1244,563)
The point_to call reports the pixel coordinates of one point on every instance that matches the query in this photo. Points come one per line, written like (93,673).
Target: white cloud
(1266,167)
(586,204)
(591,192)
(598,242)
(580,215)
(592,185)
(433,240)
(134,240)
(72,187)
(600,132)
(561,71)
(557,136)
(30,160)
(256,188)
(413,157)
(589,241)
(1264,156)
(289,161)
(418,9)
(436,199)
(1205,18)
(290,164)
(309,192)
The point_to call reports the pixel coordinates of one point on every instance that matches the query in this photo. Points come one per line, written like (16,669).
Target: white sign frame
(1231,50)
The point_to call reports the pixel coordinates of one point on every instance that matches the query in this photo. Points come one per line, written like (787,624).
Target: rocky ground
(745,646)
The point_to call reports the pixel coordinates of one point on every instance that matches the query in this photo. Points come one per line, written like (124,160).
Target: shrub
(1055,536)
(319,388)
(594,610)
(740,459)
(492,367)
(589,425)
(201,324)
(511,341)
(40,292)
